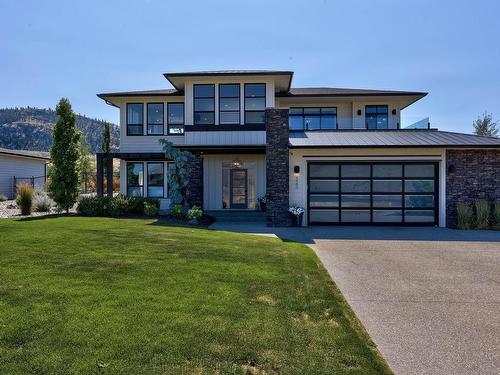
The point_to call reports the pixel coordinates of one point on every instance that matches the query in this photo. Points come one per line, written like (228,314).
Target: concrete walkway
(429,297)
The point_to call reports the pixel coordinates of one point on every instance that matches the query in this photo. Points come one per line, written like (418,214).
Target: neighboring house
(18,166)
(339,153)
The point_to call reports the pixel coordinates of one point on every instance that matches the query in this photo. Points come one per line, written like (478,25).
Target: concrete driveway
(429,297)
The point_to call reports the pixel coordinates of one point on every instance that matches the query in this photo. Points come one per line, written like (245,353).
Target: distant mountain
(31,129)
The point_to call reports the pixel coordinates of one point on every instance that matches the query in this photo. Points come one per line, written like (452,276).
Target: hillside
(31,129)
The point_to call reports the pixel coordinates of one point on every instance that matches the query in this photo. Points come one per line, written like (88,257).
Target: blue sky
(79,48)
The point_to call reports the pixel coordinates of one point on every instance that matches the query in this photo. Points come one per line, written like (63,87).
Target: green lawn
(119,296)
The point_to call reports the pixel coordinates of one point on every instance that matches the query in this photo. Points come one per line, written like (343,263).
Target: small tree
(86,169)
(106,139)
(178,174)
(486,126)
(64,182)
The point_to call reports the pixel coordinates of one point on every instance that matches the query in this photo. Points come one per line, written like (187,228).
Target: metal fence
(38,182)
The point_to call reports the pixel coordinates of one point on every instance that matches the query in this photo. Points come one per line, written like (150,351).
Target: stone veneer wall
(277,167)
(476,176)
(196,181)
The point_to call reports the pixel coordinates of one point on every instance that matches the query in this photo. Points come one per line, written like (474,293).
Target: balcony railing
(422,124)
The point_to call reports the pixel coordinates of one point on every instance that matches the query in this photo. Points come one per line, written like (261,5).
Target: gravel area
(9,209)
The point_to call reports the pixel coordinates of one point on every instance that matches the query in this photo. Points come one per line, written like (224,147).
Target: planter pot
(262,207)
(296,220)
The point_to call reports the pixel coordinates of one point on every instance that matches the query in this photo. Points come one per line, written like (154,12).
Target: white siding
(300,157)
(212,177)
(11,166)
(226,138)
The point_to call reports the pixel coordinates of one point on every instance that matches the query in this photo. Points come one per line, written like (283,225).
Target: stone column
(195,189)
(277,167)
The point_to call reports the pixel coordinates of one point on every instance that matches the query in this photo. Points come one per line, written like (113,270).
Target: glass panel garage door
(388,193)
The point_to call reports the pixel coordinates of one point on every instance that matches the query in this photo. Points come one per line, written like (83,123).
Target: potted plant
(296,212)
(262,203)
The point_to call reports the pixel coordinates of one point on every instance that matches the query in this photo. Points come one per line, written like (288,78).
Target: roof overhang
(26,154)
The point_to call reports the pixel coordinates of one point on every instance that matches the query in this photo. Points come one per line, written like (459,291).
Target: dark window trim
(194,101)
(233,97)
(183,119)
(376,114)
(244,101)
(141,186)
(142,124)
(147,175)
(162,119)
(314,115)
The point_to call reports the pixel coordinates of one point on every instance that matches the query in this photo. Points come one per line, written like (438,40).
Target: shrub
(482,214)
(94,206)
(195,213)
(464,216)
(150,209)
(3,198)
(177,211)
(25,198)
(42,202)
(496,214)
(119,205)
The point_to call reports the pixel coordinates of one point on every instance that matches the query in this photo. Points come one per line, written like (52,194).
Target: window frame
(244,102)
(194,103)
(142,172)
(141,124)
(376,114)
(183,118)
(163,177)
(230,97)
(320,115)
(162,119)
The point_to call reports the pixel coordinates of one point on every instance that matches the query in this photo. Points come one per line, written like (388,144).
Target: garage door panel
(373,193)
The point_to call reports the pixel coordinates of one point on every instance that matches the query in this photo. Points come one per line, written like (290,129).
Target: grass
(122,296)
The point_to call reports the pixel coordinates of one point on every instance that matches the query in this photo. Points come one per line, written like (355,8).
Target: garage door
(391,193)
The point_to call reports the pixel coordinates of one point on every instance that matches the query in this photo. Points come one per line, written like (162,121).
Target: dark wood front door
(239,189)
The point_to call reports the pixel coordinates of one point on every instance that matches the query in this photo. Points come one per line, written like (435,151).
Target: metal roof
(26,153)
(390,138)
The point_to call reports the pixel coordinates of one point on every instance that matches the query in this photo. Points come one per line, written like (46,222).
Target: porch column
(109,176)
(277,167)
(195,189)
(100,174)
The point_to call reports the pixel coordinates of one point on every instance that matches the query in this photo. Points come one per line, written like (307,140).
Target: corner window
(135,179)
(155,118)
(376,116)
(313,118)
(175,117)
(204,104)
(229,104)
(135,118)
(255,103)
(155,180)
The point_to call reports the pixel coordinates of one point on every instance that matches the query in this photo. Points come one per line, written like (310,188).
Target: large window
(135,179)
(229,104)
(313,118)
(376,116)
(155,118)
(175,119)
(255,103)
(204,104)
(155,180)
(135,118)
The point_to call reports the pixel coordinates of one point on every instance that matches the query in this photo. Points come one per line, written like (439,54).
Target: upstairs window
(155,118)
(204,104)
(175,113)
(229,104)
(376,116)
(135,119)
(255,103)
(313,118)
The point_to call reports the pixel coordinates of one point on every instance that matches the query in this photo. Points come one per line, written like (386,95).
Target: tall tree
(86,169)
(106,139)
(64,181)
(486,126)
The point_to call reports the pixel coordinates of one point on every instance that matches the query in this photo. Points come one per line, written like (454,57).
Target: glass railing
(422,124)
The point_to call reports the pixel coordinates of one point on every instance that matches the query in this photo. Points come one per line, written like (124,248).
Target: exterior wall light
(451,169)
(296,171)
(359,112)
(394,112)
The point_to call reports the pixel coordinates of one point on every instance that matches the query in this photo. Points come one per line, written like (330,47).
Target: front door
(239,188)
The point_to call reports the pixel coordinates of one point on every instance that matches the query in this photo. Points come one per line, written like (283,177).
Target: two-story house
(342,154)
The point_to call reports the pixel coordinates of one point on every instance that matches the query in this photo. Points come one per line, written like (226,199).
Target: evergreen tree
(86,169)
(106,139)
(64,174)
(486,126)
